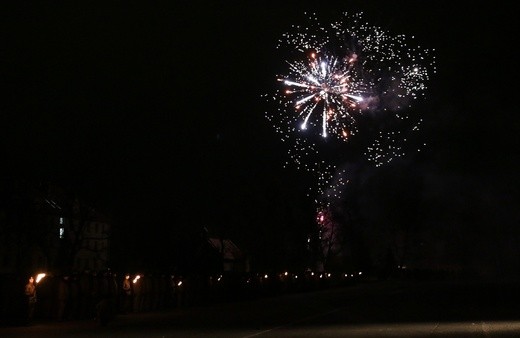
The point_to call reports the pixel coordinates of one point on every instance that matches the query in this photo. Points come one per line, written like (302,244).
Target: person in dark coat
(30,292)
(127,294)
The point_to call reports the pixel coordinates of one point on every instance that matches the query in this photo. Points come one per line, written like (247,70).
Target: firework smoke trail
(336,74)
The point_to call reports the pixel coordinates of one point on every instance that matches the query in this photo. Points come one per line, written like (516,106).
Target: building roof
(226,247)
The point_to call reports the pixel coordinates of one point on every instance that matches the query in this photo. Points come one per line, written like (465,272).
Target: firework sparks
(388,146)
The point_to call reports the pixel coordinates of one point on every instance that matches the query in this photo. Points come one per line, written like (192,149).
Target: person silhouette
(30,292)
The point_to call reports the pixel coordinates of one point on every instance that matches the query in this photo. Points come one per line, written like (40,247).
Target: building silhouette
(43,227)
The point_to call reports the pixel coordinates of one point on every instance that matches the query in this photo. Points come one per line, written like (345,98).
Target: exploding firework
(327,84)
(338,72)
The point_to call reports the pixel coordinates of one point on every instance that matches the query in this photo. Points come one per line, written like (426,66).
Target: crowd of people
(103,295)
(99,295)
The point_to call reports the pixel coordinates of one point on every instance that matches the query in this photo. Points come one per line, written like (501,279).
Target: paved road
(389,309)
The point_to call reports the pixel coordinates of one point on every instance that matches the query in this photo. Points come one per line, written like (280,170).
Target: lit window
(62,232)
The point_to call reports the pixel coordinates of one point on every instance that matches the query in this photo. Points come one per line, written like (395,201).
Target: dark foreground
(371,309)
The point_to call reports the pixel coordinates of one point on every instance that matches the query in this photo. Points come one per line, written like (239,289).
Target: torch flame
(39,277)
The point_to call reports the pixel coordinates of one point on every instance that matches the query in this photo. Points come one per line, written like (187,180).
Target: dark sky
(152,110)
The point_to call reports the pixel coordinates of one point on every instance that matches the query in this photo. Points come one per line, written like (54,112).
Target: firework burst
(327,84)
(338,72)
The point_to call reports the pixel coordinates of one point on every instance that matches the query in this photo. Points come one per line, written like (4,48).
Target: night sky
(152,111)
